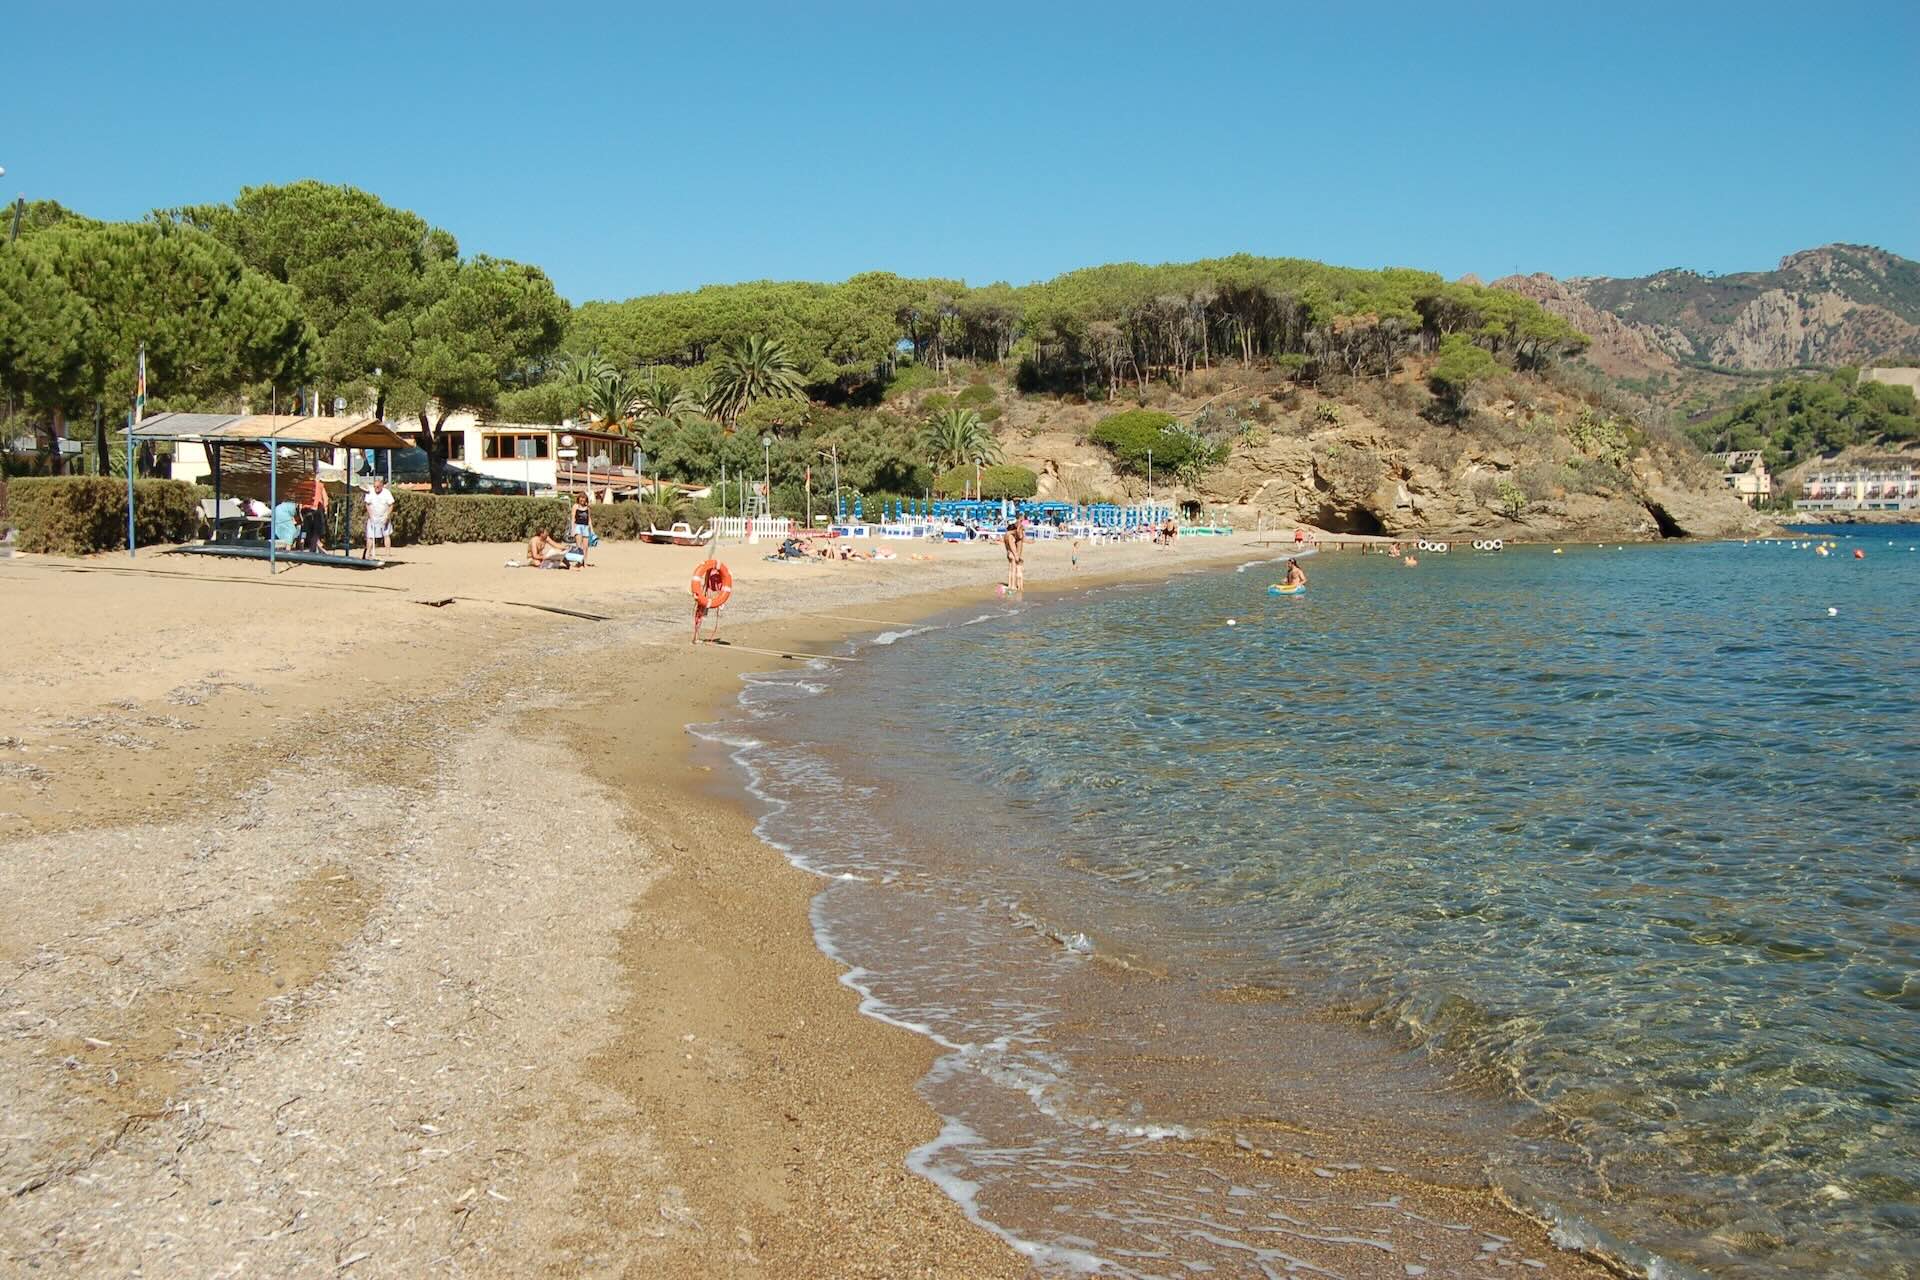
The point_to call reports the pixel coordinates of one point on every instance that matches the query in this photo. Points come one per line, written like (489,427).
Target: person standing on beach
(379,517)
(1015,541)
(582,524)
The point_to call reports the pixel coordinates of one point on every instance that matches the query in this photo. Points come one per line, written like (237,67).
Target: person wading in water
(1015,541)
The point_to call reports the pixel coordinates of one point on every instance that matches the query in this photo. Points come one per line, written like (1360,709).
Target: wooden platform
(235,551)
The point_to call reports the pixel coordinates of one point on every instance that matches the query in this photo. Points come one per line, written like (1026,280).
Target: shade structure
(318,433)
(338,433)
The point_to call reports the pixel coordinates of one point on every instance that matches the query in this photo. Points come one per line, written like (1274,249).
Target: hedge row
(998,481)
(420,518)
(79,515)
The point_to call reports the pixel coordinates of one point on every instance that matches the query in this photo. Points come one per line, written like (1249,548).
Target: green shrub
(629,521)
(996,482)
(424,518)
(1512,498)
(975,397)
(78,515)
(1135,434)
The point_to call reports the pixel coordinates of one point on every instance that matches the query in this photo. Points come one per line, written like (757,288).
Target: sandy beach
(386,924)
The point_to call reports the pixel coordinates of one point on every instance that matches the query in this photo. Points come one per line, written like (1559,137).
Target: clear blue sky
(633,149)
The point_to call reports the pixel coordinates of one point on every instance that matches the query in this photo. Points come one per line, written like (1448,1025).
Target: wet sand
(353,935)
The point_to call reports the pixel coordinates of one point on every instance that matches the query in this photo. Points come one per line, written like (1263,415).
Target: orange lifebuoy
(711,597)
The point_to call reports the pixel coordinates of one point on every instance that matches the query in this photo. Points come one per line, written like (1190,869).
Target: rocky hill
(1530,461)
(1839,304)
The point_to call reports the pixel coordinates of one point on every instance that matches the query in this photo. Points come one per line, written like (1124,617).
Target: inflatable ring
(1497,545)
(1479,545)
(711,599)
(1423,545)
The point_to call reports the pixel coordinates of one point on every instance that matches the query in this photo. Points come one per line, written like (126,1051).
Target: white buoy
(1832,612)
(1230,622)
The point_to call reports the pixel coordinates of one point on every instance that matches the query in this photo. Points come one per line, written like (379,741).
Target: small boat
(680,535)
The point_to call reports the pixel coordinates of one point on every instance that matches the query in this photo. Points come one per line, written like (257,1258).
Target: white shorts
(379,528)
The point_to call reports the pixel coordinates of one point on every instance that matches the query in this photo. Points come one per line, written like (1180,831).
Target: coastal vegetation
(883,386)
(1806,417)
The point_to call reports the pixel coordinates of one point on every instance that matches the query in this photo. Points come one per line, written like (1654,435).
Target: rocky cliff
(1838,304)
(1530,462)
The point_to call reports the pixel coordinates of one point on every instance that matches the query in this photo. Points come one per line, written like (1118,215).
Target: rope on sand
(786,653)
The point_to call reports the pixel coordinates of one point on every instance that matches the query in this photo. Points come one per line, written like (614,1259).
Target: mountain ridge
(1835,304)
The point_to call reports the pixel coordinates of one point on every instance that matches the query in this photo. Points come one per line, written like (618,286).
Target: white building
(542,457)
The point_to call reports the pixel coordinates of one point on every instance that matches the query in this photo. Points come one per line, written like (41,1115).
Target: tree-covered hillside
(310,290)
(1090,331)
(1806,417)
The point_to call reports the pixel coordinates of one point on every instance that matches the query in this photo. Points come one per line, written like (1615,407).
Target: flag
(140,387)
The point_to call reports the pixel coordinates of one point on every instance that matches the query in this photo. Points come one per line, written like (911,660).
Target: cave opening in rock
(1664,522)
(1350,520)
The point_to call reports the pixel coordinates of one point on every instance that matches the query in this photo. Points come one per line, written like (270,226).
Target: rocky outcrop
(1512,474)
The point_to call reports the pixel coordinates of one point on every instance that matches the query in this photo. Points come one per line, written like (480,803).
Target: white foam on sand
(924,1160)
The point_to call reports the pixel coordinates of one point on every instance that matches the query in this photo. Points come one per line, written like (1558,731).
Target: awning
(355,433)
(215,428)
(182,426)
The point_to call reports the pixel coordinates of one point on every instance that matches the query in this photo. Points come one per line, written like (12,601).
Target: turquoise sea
(1595,876)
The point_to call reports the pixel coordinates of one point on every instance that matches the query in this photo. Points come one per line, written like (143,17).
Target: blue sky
(633,149)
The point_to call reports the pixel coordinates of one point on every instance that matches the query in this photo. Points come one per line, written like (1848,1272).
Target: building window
(503,445)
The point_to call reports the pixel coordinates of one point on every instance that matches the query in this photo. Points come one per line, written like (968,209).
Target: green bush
(996,482)
(629,521)
(425,518)
(977,396)
(78,515)
(1135,434)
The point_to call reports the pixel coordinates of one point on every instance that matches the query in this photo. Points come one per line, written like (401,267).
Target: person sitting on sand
(542,547)
(1015,541)
(1296,576)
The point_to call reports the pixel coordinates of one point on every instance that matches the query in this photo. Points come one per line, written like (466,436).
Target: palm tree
(756,369)
(661,399)
(956,436)
(579,374)
(613,399)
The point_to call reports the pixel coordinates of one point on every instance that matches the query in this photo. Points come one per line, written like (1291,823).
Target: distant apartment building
(1745,472)
(1882,488)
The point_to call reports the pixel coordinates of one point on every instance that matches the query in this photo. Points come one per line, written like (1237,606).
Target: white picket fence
(736,529)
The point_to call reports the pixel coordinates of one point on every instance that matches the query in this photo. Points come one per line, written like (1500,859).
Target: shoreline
(1472,1203)
(529,892)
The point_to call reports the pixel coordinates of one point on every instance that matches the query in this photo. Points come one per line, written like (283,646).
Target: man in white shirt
(379,516)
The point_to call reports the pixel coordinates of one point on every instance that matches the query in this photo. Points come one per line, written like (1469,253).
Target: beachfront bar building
(543,457)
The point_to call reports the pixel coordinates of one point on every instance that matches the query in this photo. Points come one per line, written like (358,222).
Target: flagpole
(134,419)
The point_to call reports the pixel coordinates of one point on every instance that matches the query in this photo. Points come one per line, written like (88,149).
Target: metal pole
(273,501)
(130,487)
(835,450)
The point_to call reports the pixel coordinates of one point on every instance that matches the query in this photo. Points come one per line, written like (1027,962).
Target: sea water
(1591,876)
